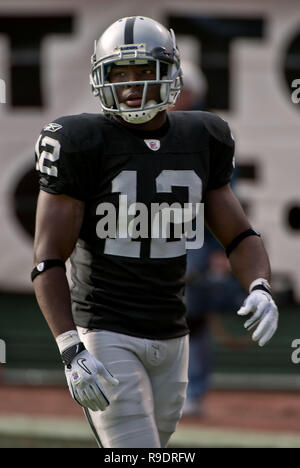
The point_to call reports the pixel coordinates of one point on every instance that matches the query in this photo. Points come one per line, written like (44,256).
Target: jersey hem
(137,335)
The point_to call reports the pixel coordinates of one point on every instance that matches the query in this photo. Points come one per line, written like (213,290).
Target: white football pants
(146,405)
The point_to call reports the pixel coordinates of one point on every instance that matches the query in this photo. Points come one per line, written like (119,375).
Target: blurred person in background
(194,88)
(211,289)
(121,330)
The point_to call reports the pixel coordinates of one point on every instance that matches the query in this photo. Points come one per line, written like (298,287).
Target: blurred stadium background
(249,54)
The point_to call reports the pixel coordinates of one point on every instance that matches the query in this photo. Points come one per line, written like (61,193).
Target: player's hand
(82,373)
(264,315)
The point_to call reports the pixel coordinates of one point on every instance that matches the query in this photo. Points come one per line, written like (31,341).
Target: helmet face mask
(155,45)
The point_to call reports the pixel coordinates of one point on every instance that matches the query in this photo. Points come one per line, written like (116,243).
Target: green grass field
(25,432)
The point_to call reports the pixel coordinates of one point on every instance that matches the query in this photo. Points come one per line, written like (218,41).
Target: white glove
(265,315)
(82,371)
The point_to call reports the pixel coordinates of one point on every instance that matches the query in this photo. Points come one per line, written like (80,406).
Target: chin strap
(140,116)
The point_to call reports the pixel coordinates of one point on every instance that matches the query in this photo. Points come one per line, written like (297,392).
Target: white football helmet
(132,41)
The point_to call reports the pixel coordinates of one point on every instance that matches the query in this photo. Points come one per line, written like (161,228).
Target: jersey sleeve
(221,153)
(59,163)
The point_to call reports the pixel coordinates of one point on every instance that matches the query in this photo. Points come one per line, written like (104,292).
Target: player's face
(131,94)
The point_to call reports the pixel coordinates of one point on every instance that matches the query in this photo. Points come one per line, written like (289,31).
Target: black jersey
(132,286)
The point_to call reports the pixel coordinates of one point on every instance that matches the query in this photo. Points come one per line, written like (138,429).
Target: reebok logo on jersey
(154,145)
(52,127)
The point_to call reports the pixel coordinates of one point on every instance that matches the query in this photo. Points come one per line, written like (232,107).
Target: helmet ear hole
(163,89)
(108,96)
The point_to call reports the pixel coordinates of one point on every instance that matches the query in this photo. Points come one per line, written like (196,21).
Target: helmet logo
(154,145)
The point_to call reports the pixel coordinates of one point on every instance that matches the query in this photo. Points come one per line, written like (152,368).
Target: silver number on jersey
(126,184)
(165,182)
(52,155)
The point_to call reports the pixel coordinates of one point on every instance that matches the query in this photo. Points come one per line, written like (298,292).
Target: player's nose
(133,76)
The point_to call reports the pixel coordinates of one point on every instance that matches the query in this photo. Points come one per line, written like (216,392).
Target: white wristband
(67,339)
(260,281)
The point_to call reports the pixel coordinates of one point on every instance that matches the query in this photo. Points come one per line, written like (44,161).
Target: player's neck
(154,124)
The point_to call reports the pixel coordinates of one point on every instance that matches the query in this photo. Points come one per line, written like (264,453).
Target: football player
(121,330)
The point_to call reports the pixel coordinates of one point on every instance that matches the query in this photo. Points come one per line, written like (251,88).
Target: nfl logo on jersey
(154,145)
